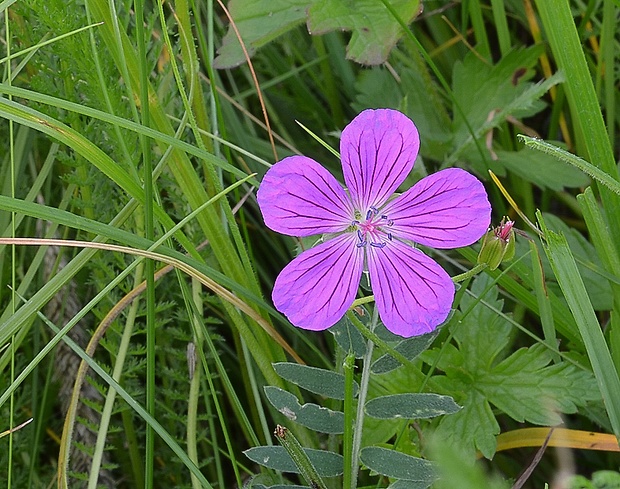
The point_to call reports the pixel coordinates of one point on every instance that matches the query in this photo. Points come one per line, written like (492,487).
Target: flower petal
(448,209)
(378,149)
(412,292)
(315,290)
(299,197)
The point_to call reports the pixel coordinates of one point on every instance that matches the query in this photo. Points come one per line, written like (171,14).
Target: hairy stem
(361,401)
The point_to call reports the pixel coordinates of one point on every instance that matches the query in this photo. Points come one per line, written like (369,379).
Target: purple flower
(366,229)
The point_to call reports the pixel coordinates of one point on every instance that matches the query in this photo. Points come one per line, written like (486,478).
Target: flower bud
(498,245)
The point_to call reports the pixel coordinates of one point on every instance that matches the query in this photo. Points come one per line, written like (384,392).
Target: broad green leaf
(489,94)
(315,417)
(327,464)
(398,465)
(411,406)
(374,30)
(349,337)
(481,89)
(320,381)
(479,373)
(409,348)
(541,169)
(258,22)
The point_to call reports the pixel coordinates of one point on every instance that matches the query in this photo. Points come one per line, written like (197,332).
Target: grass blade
(565,269)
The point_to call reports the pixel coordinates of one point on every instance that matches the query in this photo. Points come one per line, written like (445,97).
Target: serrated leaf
(258,22)
(473,428)
(311,416)
(411,406)
(409,348)
(481,88)
(327,464)
(320,381)
(374,31)
(523,385)
(398,465)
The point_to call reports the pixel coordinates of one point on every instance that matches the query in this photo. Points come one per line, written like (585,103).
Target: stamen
(377,245)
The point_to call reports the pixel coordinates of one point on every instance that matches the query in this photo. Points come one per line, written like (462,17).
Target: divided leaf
(374,30)
(523,385)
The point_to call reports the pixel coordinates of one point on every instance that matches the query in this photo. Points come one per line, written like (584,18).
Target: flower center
(371,231)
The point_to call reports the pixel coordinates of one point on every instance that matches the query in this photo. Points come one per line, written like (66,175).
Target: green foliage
(518,349)
(311,416)
(603,479)
(411,406)
(374,30)
(416,471)
(320,381)
(480,371)
(328,464)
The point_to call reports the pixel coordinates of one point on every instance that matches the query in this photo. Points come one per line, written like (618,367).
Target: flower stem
(470,273)
(361,401)
(347,437)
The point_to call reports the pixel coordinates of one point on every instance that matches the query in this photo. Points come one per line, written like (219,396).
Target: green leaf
(409,348)
(258,22)
(374,30)
(481,89)
(260,486)
(349,337)
(327,464)
(312,416)
(479,373)
(405,484)
(320,381)
(457,472)
(562,155)
(541,169)
(568,276)
(597,286)
(411,406)
(398,465)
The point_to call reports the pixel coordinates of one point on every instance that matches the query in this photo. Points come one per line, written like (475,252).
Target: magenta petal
(315,290)
(448,209)
(412,292)
(378,149)
(299,197)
